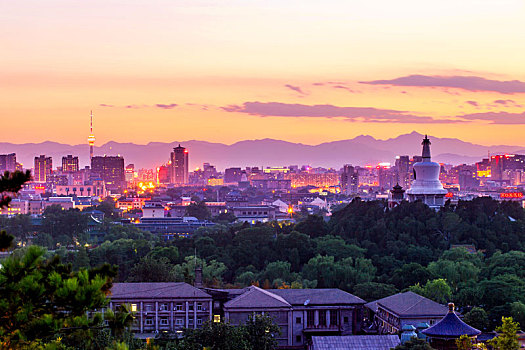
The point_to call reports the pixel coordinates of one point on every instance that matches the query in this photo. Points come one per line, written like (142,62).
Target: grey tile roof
(156,290)
(409,304)
(328,296)
(355,342)
(256,297)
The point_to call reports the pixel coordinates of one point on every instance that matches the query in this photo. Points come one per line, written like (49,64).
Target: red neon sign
(449,195)
(511,195)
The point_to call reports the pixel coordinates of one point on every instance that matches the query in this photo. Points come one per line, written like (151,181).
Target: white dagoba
(426,185)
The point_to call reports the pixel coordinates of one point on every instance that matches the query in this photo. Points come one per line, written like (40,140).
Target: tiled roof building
(168,306)
(395,311)
(300,313)
(355,342)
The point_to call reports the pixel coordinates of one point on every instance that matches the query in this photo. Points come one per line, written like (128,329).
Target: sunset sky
(303,71)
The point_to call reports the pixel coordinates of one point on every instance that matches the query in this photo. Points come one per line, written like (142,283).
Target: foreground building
(160,307)
(443,335)
(390,314)
(300,313)
(355,342)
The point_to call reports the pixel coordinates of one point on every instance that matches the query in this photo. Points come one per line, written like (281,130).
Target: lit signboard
(511,195)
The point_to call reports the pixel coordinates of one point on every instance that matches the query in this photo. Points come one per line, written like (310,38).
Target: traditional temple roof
(451,326)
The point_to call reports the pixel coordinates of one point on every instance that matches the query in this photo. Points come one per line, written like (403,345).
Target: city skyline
(301,72)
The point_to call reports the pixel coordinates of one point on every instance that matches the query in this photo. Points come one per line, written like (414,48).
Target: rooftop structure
(395,311)
(443,334)
(354,342)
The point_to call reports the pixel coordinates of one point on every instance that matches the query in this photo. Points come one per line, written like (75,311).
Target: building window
(199,321)
(199,306)
(190,322)
(179,322)
(163,307)
(164,321)
(190,307)
(133,307)
(310,314)
(298,320)
(178,307)
(149,322)
(298,339)
(346,319)
(149,307)
(334,318)
(216,318)
(322,317)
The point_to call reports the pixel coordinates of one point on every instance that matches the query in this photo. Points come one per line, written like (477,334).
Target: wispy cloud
(166,106)
(297,89)
(335,85)
(105,105)
(470,83)
(507,103)
(496,117)
(473,103)
(368,114)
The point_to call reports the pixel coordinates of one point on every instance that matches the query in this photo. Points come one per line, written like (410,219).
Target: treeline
(365,249)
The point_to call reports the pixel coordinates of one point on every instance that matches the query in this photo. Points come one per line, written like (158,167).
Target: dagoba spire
(426,149)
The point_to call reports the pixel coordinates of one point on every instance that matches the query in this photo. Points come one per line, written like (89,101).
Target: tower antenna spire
(91,137)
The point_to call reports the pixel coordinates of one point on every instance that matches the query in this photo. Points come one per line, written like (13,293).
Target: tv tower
(91,139)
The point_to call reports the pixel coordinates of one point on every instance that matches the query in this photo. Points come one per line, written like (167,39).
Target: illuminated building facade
(179,166)
(163,174)
(7,162)
(43,168)
(69,164)
(318,180)
(349,180)
(502,165)
(111,170)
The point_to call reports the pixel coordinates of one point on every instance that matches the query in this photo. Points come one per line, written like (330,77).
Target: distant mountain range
(360,150)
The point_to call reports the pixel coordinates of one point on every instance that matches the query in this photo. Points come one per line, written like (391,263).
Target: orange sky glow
(223,71)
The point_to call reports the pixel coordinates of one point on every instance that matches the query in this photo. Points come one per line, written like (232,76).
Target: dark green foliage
(477,318)
(370,291)
(11,183)
(258,333)
(198,210)
(414,344)
(42,298)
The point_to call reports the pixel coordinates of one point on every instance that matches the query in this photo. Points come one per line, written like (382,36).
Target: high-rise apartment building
(179,166)
(7,162)
(43,168)
(111,170)
(69,164)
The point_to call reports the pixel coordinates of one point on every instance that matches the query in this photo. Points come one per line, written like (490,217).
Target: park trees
(43,299)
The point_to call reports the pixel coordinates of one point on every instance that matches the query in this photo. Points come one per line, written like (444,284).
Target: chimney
(197,282)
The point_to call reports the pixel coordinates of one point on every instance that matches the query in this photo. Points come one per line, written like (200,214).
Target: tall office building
(349,180)
(7,162)
(91,139)
(179,166)
(403,171)
(43,168)
(111,170)
(69,164)
(232,175)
